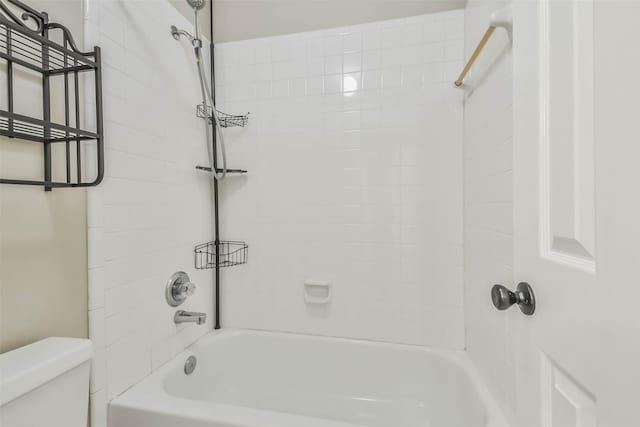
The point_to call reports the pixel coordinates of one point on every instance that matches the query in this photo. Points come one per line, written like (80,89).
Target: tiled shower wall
(488,209)
(152,207)
(354,153)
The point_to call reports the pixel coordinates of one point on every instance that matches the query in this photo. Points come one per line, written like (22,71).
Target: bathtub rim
(149,394)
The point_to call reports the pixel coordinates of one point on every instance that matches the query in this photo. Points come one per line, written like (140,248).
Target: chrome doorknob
(503,298)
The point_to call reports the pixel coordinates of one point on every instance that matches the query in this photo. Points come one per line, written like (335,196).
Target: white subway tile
(333,64)
(392,77)
(434,32)
(96,279)
(454,50)
(412,77)
(392,57)
(262,53)
(371,38)
(372,79)
(315,66)
(332,45)
(98,379)
(391,37)
(315,47)
(280,88)
(454,29)
(333,83)
(352,62)
(433,52)
(412,34)
(95,250)
(352,42)
(96,327)
(128,361)
(297,87)
(371,59)
(315,85)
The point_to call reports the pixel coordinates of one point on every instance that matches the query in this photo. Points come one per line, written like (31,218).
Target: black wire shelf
(218,170)
(225,254)
(23,127)
(25,43)
(225,120)
(22,46)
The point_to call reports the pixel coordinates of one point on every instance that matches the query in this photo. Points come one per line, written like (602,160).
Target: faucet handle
(178,288)
(187,289)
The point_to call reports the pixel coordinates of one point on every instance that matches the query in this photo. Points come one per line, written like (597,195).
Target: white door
(577,211)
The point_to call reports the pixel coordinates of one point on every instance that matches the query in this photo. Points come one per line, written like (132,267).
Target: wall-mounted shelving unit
(25,48)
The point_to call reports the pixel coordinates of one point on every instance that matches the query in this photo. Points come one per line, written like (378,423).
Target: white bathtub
(260,379)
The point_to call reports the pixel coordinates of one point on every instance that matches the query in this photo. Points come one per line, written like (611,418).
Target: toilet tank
(46,384)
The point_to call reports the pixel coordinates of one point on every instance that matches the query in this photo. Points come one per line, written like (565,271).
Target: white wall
(43,235)
(488,210)
(355,176)
(248,19)
(152,207)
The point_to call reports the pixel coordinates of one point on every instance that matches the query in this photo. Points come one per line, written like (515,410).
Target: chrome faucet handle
(178,288)
(187,289)
(503,298)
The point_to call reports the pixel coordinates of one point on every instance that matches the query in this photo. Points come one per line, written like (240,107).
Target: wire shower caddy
(225,120)
(226,253)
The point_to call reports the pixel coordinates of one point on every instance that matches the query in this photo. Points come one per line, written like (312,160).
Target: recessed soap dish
(317,291)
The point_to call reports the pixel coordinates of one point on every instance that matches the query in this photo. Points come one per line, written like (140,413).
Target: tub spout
(182,316)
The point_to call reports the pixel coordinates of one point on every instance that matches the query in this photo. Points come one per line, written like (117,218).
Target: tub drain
(190,365)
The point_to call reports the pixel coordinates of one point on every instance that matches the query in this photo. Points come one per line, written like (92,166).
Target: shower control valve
(178,288)
(503,298)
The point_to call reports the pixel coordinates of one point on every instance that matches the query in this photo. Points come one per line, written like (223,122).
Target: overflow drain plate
(190,365)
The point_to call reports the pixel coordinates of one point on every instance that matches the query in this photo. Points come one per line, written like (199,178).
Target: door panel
(566,107)
(577,210)
(564,402)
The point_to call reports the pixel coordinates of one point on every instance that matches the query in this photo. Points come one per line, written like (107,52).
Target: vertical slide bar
(216,212)
(78,146)
(9,81)
(99,127)
(46,106)
(66,114)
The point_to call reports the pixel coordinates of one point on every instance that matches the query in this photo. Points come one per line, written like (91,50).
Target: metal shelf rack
(26,47)
(225,120)
(221,254)
(229,171)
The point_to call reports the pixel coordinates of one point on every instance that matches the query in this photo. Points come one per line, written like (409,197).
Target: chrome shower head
(175,32)
(197,4)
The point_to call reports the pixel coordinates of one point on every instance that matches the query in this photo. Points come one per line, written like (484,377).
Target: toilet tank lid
(26,368)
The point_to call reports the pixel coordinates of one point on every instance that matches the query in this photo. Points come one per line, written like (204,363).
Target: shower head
(175,32)
(197,4)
